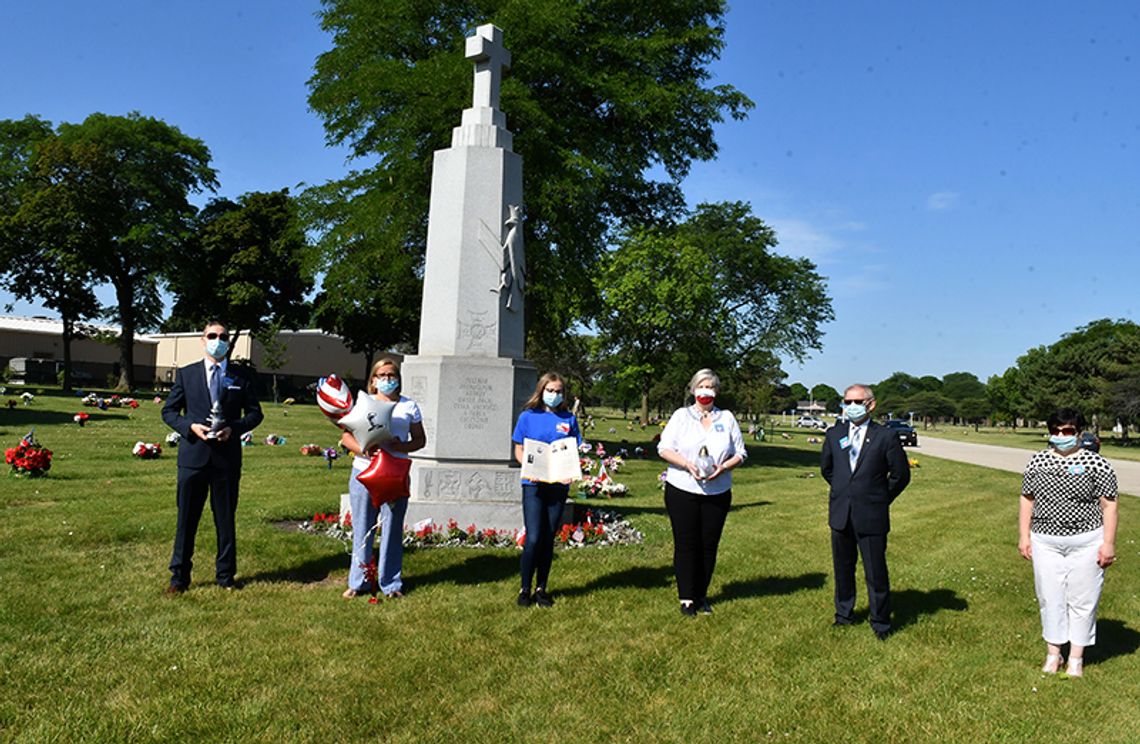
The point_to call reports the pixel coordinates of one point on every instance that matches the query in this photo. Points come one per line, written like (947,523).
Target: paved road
(1014,459)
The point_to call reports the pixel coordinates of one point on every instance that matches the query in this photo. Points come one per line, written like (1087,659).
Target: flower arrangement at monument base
(28,459)
(147,450)
(81,418)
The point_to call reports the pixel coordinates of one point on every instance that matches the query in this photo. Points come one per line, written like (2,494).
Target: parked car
(810,422)
(1090,441)
(906,433)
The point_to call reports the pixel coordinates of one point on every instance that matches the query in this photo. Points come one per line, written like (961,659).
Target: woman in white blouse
(702,444)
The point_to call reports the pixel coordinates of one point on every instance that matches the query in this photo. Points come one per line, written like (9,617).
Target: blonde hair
(535,403)
(383,362)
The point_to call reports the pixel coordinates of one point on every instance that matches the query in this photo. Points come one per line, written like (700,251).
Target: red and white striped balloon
(334,398)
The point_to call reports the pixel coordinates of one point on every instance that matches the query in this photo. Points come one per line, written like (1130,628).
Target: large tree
(127,179)
(246,264)
(603,97)
(706,293)
(42,239)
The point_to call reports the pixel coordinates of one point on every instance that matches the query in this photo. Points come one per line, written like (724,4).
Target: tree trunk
(68,333)
(125,298)
(645,404)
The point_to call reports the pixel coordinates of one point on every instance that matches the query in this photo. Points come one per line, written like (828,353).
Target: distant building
(32,350)
(810,406)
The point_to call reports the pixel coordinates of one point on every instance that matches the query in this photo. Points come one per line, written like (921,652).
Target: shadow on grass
(310,572)
(638,577)
(477,569)
(581,507)
(17,421)
(911,604)
(1113,638)
(767,586)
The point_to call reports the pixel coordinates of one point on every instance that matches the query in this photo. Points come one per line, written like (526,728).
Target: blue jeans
(390,561)
(542,513)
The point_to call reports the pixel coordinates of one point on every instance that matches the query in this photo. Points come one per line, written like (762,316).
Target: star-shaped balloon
(369,421)
(386,478)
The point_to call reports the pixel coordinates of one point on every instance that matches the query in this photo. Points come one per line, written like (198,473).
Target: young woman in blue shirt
(546,418)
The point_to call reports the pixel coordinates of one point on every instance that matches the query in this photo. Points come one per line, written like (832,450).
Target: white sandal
(1052,664)
(1076,667)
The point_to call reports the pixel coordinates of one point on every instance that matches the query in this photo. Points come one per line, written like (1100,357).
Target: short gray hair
(867,388)
(703,374)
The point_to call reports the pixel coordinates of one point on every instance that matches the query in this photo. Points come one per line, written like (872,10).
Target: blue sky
(967,175)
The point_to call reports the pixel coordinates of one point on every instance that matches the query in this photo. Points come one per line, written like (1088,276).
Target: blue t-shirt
(545,426)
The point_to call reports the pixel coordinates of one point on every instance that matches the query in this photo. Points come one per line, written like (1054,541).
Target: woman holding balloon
(407,430)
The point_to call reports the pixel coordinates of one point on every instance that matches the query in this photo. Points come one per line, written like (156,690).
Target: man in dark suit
(209,460)
(867,469)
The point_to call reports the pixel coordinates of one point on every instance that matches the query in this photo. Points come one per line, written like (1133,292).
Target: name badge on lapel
(844,443)
(718,427)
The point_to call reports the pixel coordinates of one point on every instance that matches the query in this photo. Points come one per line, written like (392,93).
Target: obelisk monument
(469,376)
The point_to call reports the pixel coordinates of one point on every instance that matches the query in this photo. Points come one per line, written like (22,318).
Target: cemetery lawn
(1111,446)
(92,650)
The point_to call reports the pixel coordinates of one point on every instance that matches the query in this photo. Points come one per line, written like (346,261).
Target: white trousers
(1068,582)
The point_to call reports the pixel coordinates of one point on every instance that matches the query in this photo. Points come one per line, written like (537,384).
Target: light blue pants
(391,559)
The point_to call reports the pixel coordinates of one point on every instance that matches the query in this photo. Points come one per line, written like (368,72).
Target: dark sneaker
(689,610)
(524,598)
(704,607)
(542,599)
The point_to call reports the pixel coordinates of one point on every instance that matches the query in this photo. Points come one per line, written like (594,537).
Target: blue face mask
(552,400)
(855,411)
(387,386)
(1062,442)
(217,348)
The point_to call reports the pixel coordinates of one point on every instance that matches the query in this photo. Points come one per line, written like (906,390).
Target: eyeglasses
(387,376)
(1066,430)
(223,336)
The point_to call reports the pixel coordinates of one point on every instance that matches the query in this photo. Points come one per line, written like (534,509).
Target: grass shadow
(1113,638)
(911,604)
(638,577)
(767,586)
(17,421)
(480,568)
(310,572)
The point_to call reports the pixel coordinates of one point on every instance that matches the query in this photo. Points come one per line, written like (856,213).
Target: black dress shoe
(230,585)
(841,623)
(542,599)
(882,634)
(689,610)
(524,598)
(174,589)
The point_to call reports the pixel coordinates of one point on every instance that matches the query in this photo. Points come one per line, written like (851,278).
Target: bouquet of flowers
(81,418)
(173,438)
(28,458)
(146,450)
(274,439)
(312,450)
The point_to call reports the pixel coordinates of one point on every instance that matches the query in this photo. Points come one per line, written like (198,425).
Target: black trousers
(697,521)
(873,549)
(193,484)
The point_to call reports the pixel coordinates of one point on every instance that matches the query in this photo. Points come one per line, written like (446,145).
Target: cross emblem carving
(486,50)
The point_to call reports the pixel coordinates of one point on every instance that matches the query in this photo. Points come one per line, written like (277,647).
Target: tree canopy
(245,263)
(598,95)
(708,292)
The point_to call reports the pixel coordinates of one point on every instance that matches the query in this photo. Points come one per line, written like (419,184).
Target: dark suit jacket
(189,403)
(881,474)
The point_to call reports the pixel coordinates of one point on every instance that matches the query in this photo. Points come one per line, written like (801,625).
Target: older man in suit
(867,469)
(209,460)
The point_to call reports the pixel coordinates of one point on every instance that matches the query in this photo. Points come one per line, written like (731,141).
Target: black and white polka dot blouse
(1066,491)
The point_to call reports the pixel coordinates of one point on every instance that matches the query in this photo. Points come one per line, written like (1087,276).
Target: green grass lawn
(1111,446)
(91,649)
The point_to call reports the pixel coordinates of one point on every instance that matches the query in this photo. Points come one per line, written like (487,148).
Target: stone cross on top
(486,49)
